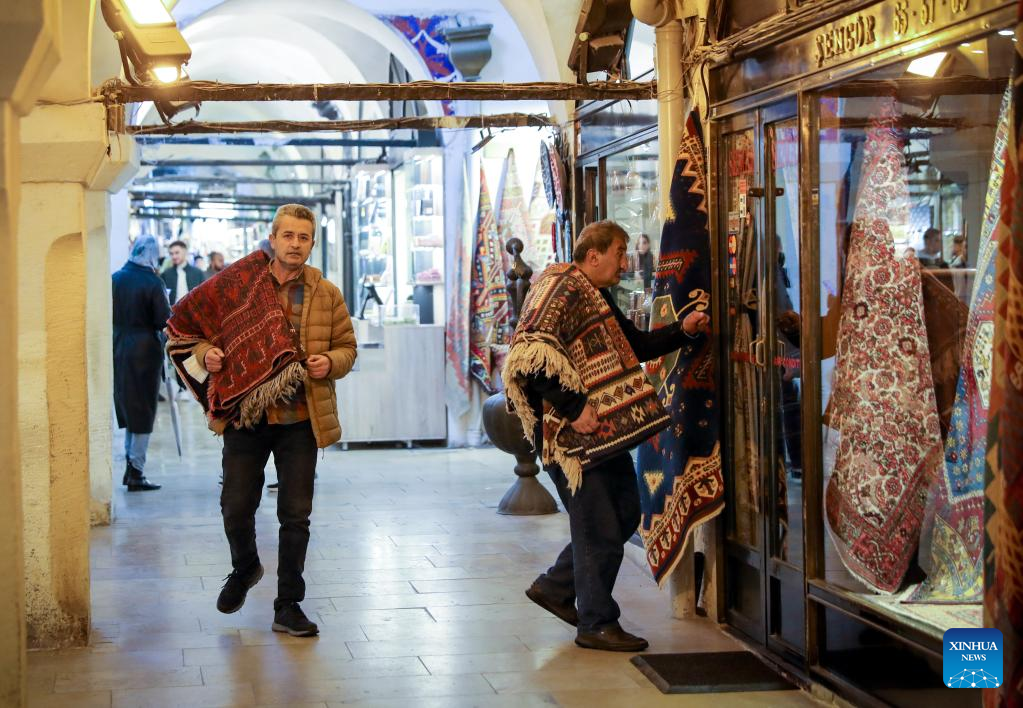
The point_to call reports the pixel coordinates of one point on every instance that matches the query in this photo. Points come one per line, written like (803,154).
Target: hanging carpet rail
(502,120)
(116,92)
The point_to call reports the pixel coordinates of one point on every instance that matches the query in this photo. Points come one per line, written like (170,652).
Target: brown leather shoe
(565,613)
(611,638)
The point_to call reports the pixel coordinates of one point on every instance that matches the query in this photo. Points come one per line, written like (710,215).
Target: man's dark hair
(179,242)
(599,235)
(214,253)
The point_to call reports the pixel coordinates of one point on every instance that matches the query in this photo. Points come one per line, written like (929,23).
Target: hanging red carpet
(1003,550)
(679,469)
(953,537)
(883,402)
(488,298)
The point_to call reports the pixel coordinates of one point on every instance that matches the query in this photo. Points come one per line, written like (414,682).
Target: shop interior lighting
(927,66)
(1007,33)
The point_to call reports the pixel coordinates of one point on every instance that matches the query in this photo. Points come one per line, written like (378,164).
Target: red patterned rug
(883,403)
(238,311)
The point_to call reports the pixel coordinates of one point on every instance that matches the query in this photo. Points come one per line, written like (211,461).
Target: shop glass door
(759,173)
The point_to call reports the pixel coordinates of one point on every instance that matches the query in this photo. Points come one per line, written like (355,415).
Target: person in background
(216,263)
(645,260)
(140,312)
(958,264)
(932,258)
(181,277)
(200,263)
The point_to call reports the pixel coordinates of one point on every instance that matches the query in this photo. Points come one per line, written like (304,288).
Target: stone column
(27,56)
(68,160)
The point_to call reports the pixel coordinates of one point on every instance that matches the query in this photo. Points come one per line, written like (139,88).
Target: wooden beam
(116,92)
(252,163)
(504,120)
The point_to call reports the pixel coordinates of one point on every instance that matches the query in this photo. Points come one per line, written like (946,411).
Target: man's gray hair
(298,212)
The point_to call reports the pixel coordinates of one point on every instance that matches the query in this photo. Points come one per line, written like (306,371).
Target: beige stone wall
(27,55)
(54,413)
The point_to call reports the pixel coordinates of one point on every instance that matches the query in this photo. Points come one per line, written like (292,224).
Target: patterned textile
(237,311)
(295,408)
(680,480)
(1003,548)
(569,332)
(882,403)
(952,541)
(945,319)
(456,333)
(426,35)
(488,298)
(512,218)
(541,221)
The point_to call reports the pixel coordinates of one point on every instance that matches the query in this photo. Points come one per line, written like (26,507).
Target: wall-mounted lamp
(152,47)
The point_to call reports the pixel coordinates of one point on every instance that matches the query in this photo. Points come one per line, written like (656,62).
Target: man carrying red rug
(573,376)
(260,345)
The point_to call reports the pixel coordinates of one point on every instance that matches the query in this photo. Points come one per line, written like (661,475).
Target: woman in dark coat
(140,314)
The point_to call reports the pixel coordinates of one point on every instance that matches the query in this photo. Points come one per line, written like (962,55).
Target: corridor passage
(415,580)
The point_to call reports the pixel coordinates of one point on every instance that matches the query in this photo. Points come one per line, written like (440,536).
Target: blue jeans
(135,446)
(602,516)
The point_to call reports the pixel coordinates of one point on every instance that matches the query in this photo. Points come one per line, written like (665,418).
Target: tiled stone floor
(416,582)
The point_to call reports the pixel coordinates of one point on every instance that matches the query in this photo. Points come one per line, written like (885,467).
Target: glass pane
(743,276)
(908,194)
(633,202)
(783,141)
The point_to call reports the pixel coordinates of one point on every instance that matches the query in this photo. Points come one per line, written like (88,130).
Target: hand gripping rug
(237,311)
(488,297)
(679,469)
(569,332)
(1003,546)
(883,404)
(952,541)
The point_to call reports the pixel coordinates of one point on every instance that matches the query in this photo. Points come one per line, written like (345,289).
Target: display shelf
(420,246)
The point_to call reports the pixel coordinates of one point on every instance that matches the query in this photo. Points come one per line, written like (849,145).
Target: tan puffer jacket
(326,329)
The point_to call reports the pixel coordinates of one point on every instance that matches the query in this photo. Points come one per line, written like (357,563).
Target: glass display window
(910,166)
(420,233)
(372,233)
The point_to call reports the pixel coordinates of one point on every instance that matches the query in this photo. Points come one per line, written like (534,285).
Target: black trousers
(245,455)
(602,515)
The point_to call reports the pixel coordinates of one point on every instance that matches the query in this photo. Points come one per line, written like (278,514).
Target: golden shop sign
(845,38)
(889,23)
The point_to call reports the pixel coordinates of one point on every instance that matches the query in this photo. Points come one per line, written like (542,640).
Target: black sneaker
(290,618)
(232,595)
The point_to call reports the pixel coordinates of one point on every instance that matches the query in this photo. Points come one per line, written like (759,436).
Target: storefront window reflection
(908,192)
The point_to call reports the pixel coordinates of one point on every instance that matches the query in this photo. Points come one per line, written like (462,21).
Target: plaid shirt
(291,295)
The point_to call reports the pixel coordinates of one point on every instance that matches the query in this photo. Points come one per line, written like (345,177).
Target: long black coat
(140,314)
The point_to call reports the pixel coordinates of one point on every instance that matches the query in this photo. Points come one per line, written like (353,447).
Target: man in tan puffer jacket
(291,430)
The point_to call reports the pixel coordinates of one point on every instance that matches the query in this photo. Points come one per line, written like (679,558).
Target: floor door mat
(711,672)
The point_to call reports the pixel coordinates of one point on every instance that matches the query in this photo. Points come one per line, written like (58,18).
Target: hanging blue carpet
(680,482)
